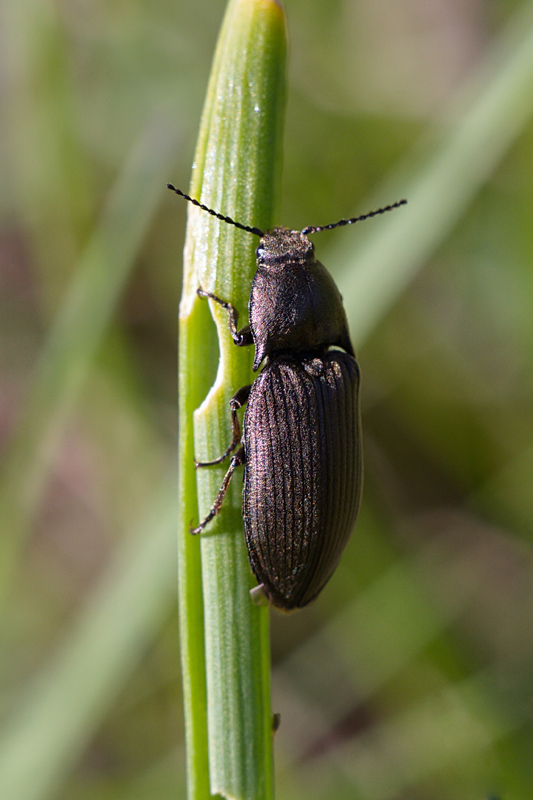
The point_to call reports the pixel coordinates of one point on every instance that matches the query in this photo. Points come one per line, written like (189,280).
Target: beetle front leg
(242,338)
(237,461)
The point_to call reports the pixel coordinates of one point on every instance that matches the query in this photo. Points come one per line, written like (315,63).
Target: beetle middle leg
(236,402)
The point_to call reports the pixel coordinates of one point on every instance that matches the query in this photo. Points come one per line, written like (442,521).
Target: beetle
(301,444)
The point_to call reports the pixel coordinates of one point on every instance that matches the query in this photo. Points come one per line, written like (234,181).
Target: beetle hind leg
(237,461)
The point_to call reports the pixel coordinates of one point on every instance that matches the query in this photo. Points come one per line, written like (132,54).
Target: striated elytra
(301,445)
(303,472)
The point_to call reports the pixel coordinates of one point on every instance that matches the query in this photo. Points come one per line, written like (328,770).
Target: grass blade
(236,172)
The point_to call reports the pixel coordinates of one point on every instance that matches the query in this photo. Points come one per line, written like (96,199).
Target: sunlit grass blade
(236,172)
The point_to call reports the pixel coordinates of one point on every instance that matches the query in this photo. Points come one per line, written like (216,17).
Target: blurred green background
(411,677)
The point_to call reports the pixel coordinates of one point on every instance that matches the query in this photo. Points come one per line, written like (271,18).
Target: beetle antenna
(340,223)
(248,228)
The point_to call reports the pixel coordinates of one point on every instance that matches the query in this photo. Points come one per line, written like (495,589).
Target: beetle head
(282,245)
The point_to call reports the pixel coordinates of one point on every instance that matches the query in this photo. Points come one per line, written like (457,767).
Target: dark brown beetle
(301,445)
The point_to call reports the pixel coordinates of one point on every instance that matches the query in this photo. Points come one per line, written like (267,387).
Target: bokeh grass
(411,676)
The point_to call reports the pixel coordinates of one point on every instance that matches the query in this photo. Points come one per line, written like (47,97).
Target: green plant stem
(224,637)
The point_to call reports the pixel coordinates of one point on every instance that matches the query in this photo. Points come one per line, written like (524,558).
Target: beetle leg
(237,461)
(236,402)
(259,595)
(242,338)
